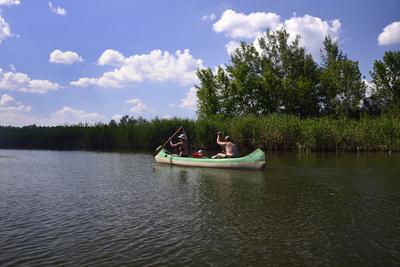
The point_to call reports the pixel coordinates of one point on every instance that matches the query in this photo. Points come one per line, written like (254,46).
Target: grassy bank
(274,132)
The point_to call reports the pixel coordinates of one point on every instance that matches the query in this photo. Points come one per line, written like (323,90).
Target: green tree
(246,80)
(341,86)
(208,102)
(290,75)
(228,98)
(277,75)
(386,80)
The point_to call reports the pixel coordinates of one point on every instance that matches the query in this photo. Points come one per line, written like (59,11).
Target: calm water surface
(113,209)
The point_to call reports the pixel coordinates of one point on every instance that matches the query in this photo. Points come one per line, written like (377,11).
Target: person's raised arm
(174,145)
(219,141)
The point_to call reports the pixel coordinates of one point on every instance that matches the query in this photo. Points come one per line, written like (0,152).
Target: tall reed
(273,132)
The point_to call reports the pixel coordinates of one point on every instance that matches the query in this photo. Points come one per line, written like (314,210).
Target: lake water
(120,209)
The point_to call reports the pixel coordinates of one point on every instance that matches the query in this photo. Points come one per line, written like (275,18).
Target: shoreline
(270,133)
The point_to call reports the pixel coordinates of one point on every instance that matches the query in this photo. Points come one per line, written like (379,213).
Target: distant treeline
(269,132)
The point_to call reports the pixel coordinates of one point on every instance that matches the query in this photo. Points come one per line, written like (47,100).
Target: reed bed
(273,132)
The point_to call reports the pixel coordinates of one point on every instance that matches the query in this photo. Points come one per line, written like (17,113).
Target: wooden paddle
(169,139)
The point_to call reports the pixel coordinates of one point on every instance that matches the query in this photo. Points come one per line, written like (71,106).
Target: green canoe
(254,160)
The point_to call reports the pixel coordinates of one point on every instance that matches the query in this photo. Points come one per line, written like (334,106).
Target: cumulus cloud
(111,57)
(8,103)
(138,105)
(16,81)
(157,66)
(117,117)
(13,112)
(68,115)
(390,34)
(4,99)
(15,118)
(190,100)
(239,25)
(210,17)
(5,30)
(313,30)
(231,46)
(9,2)
(57,10)
(167,116)
(67,57)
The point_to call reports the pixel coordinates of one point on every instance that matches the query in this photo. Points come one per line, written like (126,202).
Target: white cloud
(16,81)
(157,66)
(13,112)
(190,100)
(210,17)
(117,117)
(4,99)
(68,115)
(5,30)
(239,25)
(313,30)
(9,2)
(390,34)
(8,103)
(138,105)
(84,82)
(167,116)
(57,10)
(67,57)
(16,118)
(231,46)
(111,57)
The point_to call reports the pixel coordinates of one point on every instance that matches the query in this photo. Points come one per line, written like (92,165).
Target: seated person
(183,145)
(230,149)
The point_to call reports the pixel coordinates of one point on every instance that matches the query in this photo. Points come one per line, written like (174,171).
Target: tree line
(275,75)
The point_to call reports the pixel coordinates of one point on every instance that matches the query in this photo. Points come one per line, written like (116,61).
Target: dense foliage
(275,75)
(386,81)
(270,132)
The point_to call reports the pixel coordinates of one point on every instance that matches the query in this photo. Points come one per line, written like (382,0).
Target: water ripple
(111,209)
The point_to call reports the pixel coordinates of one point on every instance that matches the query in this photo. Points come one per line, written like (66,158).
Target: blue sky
(87,61)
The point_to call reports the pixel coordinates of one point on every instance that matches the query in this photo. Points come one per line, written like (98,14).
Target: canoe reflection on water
(212,180)
(169,171)
(220,198)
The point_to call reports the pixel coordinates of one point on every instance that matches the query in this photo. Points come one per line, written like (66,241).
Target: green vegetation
(273,95)
(277,76)
(386,80)
(270,132)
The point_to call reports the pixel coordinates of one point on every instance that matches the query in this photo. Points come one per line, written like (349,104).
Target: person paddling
(231,150)
(183,145)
